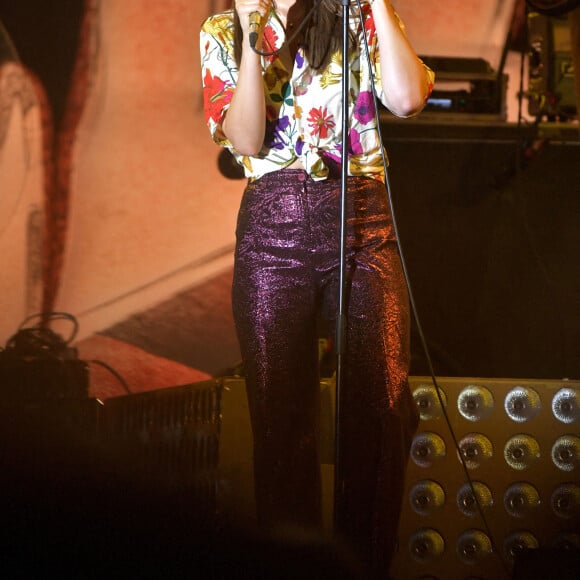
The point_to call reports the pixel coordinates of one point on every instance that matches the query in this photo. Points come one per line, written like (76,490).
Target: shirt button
(302,177)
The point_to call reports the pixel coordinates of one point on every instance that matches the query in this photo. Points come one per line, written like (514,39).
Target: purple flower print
(299,146)
(364,109)
(275,132)
(355,146)
(337,158)
(299,60)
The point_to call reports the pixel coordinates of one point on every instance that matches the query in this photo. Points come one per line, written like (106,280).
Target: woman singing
(280,115)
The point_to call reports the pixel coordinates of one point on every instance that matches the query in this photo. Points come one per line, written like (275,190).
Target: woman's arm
(405,80)
(245,121)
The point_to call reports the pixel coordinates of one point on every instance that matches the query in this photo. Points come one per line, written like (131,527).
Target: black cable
(416,316)
(114,373)
(45,318)
(40,340)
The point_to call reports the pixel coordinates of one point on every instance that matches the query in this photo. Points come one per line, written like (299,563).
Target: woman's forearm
(245,121)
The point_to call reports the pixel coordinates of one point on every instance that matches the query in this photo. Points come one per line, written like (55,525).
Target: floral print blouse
(304,109)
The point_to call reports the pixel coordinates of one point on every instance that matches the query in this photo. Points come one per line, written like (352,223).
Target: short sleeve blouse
(304,108)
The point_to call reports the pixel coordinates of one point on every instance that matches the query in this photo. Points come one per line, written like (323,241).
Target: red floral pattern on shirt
(320,122)
(216,96)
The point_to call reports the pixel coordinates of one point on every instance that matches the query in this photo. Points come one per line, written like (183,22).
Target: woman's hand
(245,8)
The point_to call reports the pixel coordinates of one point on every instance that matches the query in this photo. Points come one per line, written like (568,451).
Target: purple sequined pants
(285,278)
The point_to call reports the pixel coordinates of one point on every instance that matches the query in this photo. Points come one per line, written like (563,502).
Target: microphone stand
(341,314)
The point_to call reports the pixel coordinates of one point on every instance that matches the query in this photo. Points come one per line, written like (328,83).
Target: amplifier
(551,84)
(172,434)
(466,86)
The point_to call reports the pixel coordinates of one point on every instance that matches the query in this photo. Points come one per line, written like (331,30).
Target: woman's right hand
(245,8)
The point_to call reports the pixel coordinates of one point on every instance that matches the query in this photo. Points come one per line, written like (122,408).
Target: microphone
(255,23)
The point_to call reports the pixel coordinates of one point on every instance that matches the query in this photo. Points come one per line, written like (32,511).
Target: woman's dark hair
(321,36)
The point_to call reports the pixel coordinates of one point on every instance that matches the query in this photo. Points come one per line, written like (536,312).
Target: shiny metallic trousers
(286,276)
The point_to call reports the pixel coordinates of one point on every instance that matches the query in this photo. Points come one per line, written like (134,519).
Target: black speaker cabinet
(488,220)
